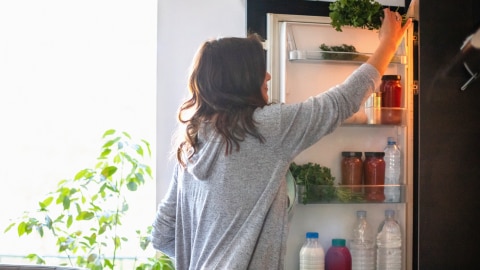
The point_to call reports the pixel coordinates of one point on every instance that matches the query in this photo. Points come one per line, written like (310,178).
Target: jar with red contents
(391,90)
(352,170)
(391,93)
(374,175)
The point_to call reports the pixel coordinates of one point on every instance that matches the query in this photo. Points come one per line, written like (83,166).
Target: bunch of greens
(342,52)
(356,13)
(344,49)
(317,180)
(318,185)
(341,48)
(346,195)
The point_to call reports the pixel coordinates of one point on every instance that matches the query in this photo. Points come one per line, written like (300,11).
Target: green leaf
(106,152)
(117,242)
(37,258)
(69,221)
(39,230)
(9,227)
(48,222)
(132,186)
(109,171)
(21,229)
(45,203)
(66,202)
(85,215)
(108,133)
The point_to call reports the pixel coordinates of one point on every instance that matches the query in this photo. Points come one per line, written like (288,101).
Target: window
(70,70)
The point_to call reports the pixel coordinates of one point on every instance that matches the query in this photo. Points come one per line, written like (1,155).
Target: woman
(226,207)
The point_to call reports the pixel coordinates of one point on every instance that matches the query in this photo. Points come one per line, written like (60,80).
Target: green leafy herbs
(341,52)
(356,13)
(316,184)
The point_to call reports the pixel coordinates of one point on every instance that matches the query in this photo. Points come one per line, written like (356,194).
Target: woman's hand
(391,34)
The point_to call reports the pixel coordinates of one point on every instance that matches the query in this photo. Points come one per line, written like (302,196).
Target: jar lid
(374,154)
(312,235)
(338,242)
(391,77)
(351,154)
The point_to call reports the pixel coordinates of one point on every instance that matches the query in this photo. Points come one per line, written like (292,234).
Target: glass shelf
(338,57)
(344,194)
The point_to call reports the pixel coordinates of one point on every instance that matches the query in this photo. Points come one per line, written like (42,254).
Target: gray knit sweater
(230,212)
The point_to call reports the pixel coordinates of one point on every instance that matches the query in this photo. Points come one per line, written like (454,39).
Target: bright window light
(70,70)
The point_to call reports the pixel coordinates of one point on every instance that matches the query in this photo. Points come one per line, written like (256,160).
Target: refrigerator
(300,69)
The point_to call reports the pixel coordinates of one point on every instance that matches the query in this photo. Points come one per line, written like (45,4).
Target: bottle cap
(391,140)
(338,242)
(361,213)
(312,234)
(389,213)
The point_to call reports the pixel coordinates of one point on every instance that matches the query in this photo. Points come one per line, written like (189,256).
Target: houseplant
(84,213)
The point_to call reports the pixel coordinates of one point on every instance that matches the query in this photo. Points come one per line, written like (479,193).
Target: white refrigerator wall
(296,80)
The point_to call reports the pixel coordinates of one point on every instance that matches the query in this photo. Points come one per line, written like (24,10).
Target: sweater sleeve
(163,234)
(307,122)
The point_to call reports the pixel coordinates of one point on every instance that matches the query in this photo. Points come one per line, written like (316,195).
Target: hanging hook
(470,52)
(474,76)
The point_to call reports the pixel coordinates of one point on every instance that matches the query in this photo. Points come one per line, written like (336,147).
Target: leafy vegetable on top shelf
(356,13)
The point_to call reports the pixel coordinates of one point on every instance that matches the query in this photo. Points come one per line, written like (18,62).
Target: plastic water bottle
(312,256)
(362,244)
(338,256)
(392,171)
(389,243)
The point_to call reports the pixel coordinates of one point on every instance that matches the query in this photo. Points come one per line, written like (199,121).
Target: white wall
(182,27)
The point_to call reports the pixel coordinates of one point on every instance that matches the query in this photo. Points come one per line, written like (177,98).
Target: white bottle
(312,255)
(392,171)
(362,244)
(389,243)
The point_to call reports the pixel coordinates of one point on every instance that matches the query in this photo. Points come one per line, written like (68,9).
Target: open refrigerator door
(301,66)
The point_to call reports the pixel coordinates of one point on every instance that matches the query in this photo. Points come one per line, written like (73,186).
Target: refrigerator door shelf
(378,116)
(343,194)
(337,57)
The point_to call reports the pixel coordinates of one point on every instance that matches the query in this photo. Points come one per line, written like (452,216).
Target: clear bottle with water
(389,243)
(362,244)
(312,255)
(392,171)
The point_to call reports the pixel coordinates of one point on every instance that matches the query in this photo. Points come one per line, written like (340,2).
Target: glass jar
(352,170)
(391,90)
(374,174)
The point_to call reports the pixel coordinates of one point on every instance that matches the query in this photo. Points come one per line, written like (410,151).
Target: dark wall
(449,139)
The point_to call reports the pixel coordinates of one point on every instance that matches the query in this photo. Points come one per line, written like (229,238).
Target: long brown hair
(225,83)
